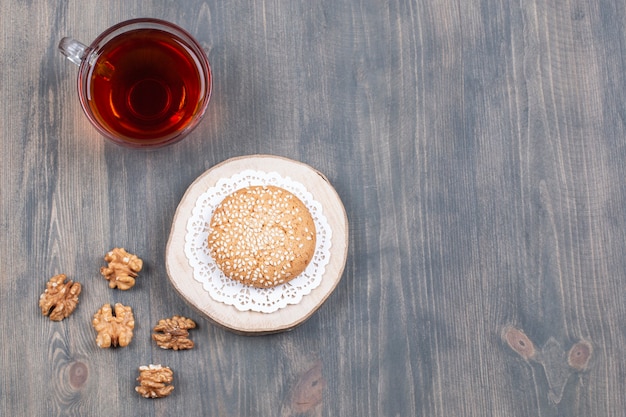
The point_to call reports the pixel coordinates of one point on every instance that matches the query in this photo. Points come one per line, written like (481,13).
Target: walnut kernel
(155,381)
(114,330)
(60,298)
(122,269)
(173,333)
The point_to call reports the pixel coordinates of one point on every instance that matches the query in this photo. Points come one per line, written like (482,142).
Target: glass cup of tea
(143,83)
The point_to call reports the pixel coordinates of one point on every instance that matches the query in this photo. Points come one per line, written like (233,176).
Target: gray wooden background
(478,146)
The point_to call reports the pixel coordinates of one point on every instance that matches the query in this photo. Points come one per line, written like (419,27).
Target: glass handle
(72,49)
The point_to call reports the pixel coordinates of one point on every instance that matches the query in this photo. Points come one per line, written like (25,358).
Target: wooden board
(250,322)
(479,149)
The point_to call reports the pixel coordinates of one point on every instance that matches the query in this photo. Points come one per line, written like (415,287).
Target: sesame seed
(255,234)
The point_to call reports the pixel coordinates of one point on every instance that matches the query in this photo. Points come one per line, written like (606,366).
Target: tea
(146,86)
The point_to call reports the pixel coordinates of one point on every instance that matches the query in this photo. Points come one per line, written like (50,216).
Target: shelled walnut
(60,298)
(155,381)
(173,333)
(114,330)
(122,269)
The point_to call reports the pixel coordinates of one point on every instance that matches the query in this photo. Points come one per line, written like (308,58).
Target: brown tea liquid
(145,85)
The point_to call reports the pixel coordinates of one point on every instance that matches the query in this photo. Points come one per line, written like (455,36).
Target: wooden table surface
(478,147)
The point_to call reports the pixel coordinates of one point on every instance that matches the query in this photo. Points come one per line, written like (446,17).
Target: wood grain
(478,147)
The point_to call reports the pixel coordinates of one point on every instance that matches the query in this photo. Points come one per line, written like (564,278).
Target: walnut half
(155,381)
(114,330)
(59,298)
(173,333)
(122,269)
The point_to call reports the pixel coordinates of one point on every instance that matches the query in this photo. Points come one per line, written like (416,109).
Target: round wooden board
(250,322)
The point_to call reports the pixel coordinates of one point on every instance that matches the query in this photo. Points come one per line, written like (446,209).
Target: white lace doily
(231,292)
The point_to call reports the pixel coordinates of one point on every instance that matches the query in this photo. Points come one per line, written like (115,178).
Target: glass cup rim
(126,26)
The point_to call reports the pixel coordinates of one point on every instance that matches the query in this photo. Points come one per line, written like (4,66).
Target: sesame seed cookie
(262,236)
